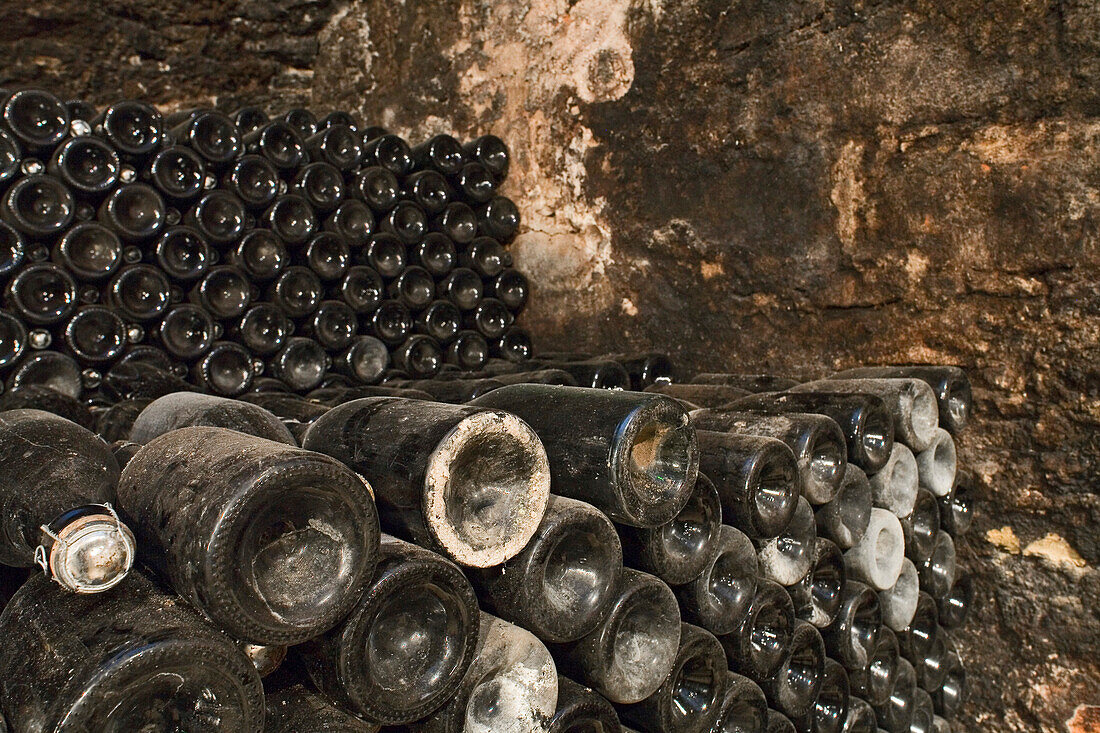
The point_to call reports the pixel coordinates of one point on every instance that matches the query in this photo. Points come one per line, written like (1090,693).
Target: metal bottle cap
(91,554)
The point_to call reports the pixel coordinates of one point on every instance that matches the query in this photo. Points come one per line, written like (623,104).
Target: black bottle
(742,707)
(921,526)
(177,173)
(302,120)
(36,118)
(301,364)
(133,659)
(475,183)
(406,221)
(582,710)
(134,378)
(332,325)
(48,369)
(950,383)
(81,109)
(361,288)
(830,706)
(328,256)
(630,653)
(595,373)
(285,538)
(420,356)
(387,151)
(134,129)
(760,643)
(385,254)
(364,361)
(441,320)
(511,288)
(87,165)
(867,424)
(292,220)
(950,695)
(852,634)
(353,222)
(462,287)
(561,584)
(491,152)
(420,458)
(182,253)
(139,293)
(817,442)
(377,187)
(253,180)
(42,294)
(134,211)
(429,190)
(441,153)
(756,478)
(469,350)
(224,292)
(37,397)
(817,596)
(956,508)
(845,519)
(219,217)
(297,292)
(279,143)
(337,145)
(10,158)
(224,370)
(392,322)
(779,723)
(264,328)
(114,423)
(322,185)
(296,708)
(413,288)
(186,332)
(248,119)
(405,647)
(13,340)
(296,413)
(875,680)
(793,688)
(499,219)
(38,206)
(12,249)
(95,335)
(338,117)
(58,480)
(514,345)
(454,391)
(722,594)
(632,455)
(212,135)
(186,409)
(685,547)
(860,717)
(703,396)
(954,607)
(896,712)
(687,700)
(457,221)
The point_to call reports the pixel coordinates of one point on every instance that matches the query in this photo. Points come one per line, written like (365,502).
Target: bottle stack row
(509,550)
(229,248)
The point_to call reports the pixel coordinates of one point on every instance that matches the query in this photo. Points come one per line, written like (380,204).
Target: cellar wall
(756,185)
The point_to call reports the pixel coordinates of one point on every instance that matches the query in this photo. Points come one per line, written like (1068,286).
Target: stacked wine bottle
(230,248)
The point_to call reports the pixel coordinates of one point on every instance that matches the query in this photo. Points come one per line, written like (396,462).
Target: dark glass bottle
(224,292)
(682,549)
(406,221)
(377,187)
(95,335)
(916,640)
(322,185)
(414,288)
(12,249)
(955,606)
(405,647)
(333,325)
(298,292)
(441,320)
(787,557)
(632,455)
(514,345)
(13,340)
(860,717)
(722,594)
(337,145)
(81,109)
(352,221)
(950,695)
(844,520)
(37,397)
(582,710)
(36,118)
(486,256)
(279,143)
(561,584)
(364,361)
(830,706)
(491,319)
(361,288)
(756,478)
(385,253)
(441,153)
(182,253)
(439,472)
(462,287)
(134,129)
(429,190)
(338,117)
(57,475)
(253,180)
(754,383)
(921,526)
(291,218)
(296,413)
(134,659)
(296,708)
(454,391)
(950,384)
(937,573)
(630,653)
(302,120)
(286,538)
(491,152)
(794,686)
(85,164)
(457,221)
(134,211)
(186,332)
(475,183)
(212,135)
(852,635)
(817,442)
(469,351)
(499,219)
(956,507)
(867,424)
(48,369)
(420,356)
(595,373)
(436,254)
(224,370)
(136,379)
(779,723)
(328,256)
(387,151)
(817,596)
(895,713)
(42,294)
(10,158)
(248,119)
(188,409)
(177,173)
(219,216)
(688,698)
(742,707)
(38,206)
(760,643)
(704,396)
(511,288)
(301,364)
(114,423)
(392,322)
(260,255)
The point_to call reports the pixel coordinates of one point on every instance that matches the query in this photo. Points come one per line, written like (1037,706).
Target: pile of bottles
(226,248)
(571,543)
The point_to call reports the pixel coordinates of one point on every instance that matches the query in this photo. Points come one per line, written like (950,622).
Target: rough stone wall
(780,185)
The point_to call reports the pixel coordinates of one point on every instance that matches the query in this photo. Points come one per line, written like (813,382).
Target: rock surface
(782,185)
